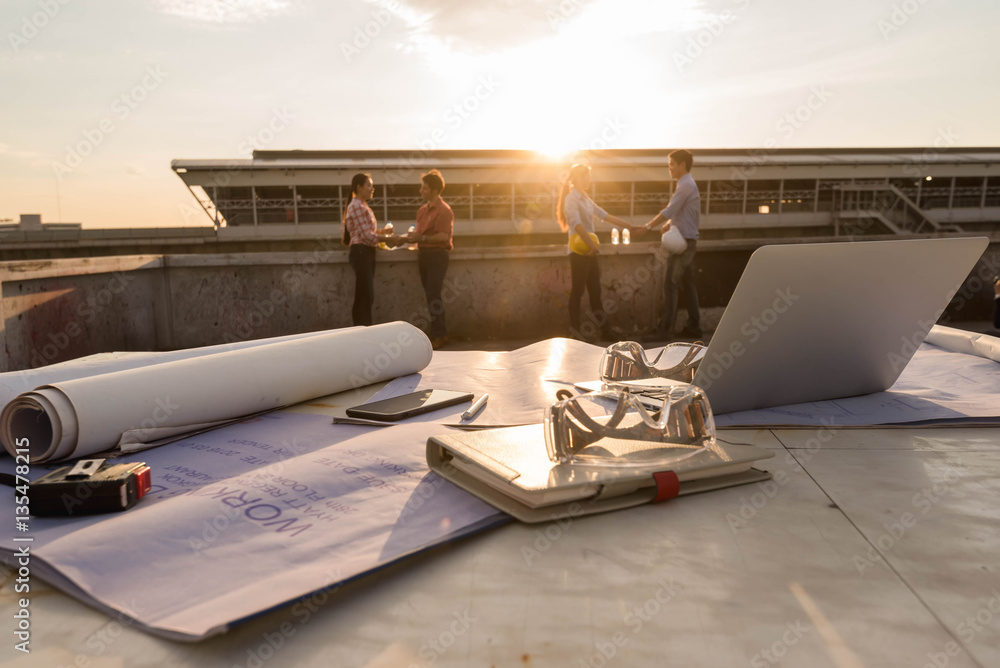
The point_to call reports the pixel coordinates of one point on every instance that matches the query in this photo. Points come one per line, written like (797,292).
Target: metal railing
(858,205)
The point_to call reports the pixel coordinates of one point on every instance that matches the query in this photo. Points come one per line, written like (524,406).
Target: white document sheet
(957,380)
(959,384)
(520,382)
(252,516)
(137,408)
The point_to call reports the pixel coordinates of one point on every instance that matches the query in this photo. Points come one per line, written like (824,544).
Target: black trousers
(680,276)
(432,263)
(585,273)
(362,259)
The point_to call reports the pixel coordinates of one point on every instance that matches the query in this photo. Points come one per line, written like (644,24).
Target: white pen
(475,407)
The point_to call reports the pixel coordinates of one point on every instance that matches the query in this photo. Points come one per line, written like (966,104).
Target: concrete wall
(489,294)
(55,310)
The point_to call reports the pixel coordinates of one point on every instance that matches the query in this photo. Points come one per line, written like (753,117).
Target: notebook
(509,469)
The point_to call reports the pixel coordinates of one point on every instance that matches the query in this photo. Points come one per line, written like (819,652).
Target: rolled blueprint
(133,409)
(13,383)
(961,341)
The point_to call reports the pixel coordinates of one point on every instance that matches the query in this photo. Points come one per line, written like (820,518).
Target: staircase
(857,207)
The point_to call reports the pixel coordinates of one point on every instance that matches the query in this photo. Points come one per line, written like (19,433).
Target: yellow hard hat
(579,246)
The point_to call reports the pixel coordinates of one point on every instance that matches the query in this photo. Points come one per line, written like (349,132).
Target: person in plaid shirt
(362,234)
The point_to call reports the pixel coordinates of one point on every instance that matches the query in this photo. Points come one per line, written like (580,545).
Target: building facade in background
(511,194)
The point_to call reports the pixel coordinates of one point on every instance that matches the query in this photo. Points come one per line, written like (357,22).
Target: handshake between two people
(657,221)
(396,240)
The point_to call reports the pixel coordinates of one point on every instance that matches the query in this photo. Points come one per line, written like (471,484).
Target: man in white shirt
(684,213)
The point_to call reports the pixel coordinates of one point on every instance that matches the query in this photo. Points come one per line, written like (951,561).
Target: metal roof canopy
(419,159)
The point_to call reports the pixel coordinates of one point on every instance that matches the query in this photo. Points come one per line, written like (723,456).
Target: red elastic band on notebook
(667,485)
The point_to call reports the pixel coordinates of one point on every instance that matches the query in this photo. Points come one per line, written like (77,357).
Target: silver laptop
(820,321)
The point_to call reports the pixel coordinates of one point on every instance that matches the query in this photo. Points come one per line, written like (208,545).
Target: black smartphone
(408,405)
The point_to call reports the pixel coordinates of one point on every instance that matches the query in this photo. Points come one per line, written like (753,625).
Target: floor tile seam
(892,567)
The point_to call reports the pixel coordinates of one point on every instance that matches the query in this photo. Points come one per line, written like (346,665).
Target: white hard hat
(673,242)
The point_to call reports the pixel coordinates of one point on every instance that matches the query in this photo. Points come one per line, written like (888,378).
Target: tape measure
(90,486)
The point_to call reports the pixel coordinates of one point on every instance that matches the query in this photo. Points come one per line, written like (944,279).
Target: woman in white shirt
(575,212)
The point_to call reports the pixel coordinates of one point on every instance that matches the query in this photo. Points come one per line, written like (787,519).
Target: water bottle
(388,229)
(413,228)
(626,237)
(614,236)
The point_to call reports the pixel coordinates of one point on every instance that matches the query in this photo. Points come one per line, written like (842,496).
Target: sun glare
(563,93)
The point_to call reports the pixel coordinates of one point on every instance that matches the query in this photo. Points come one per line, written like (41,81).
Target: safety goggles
(627,362)
(613,428)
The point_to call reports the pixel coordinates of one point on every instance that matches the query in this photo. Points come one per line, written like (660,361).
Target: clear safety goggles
(613,428)
(627,362)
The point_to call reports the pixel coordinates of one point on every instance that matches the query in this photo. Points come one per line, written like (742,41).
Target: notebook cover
(509,469)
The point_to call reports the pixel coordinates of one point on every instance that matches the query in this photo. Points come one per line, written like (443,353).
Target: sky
(96,98)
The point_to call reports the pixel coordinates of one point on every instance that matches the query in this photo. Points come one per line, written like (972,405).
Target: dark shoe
(659,337)
(691,332)
(438,342)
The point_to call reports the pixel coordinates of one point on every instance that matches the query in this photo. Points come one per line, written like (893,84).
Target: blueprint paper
(954,381)
(94,414)
(252,516)
(938,386)
(521,383)
(960,341)
(13,383)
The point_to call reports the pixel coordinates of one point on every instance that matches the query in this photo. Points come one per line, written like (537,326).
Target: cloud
(489,27)
(21,155)
(485,27)
(226,11)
